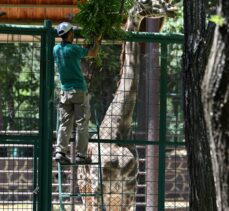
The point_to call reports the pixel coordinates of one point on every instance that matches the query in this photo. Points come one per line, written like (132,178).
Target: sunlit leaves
(217,19)
(104,17)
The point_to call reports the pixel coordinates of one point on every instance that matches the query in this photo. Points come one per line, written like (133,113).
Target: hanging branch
(122,7)
(102,17)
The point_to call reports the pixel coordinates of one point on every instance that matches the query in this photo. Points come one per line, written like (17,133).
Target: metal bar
(79,195)
(130,36)
(17,132)
(60,186)
(16,145)
(46,125)
(41,121)
(21,138)
(72,169)
(21,29)
(30,140)
(168,38)
(136,142)
(100,177)
(50,42)
(162,133)
(21,141)
(35,185)
(33,133)
(99,159)
(76,164)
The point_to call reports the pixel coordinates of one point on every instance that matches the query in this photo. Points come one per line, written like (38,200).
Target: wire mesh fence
(162,180)
(19,116)
(20,73)
(17,178)
(143,169)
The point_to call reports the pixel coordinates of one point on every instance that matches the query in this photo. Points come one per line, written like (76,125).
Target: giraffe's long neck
(133,21)
(125,97)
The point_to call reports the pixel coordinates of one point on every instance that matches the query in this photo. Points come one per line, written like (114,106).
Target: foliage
(104,78)
(20,85)
(210,7)
(102,17)
(176,23)
(174,99)
(217,19)
(174,96)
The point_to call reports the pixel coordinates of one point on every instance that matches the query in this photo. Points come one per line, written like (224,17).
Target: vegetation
(19,80)
(175,24)
(102,17)
(102,79)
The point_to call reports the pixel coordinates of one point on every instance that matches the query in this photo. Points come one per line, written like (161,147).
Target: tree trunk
(215,95)
(198,38)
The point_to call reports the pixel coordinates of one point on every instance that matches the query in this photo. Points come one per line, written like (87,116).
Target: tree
(18,80)
(206,136)
(215,94)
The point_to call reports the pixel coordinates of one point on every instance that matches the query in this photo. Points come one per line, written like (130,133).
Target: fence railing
(28,120)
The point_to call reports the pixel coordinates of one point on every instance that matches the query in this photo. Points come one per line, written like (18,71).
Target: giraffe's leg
(128,202)
(96,189)
(129,195)
(87,200)
(96,204)
(85,186)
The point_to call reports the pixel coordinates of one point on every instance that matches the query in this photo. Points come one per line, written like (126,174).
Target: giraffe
(120,162)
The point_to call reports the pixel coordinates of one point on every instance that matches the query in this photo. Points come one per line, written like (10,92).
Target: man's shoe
(62,158)
(83,160)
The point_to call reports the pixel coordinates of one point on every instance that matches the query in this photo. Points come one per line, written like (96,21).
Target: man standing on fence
(74,99)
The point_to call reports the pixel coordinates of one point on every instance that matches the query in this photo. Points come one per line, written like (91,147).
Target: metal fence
(28,119)
(26,84)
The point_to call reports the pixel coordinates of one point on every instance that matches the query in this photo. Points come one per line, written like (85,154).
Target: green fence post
(46,119)
(162,134)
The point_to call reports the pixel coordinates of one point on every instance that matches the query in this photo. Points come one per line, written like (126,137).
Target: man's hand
(94,50)
(98,38)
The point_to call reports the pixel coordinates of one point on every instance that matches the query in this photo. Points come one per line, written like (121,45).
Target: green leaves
(175,24)
(217,19)
(104,17)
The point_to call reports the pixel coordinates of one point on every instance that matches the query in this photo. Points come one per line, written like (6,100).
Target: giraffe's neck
(133,21)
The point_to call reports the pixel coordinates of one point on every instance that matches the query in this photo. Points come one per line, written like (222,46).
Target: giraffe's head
(153,8)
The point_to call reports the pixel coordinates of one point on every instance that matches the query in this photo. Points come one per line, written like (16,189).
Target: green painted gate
(28,119)
(26,132)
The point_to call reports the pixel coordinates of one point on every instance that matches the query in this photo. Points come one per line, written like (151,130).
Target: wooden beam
(36,15)
(36,11)
(36,6)
(53,2)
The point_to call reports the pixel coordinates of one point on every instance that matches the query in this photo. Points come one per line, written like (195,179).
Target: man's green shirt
(67,57)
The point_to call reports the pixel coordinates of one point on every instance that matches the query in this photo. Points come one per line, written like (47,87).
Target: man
(74,99)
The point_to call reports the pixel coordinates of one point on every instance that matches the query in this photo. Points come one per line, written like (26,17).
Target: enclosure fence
(29,109)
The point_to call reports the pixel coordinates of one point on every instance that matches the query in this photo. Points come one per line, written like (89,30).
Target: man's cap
(63,28)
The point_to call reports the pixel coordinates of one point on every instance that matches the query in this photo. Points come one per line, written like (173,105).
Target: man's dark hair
(64,36)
